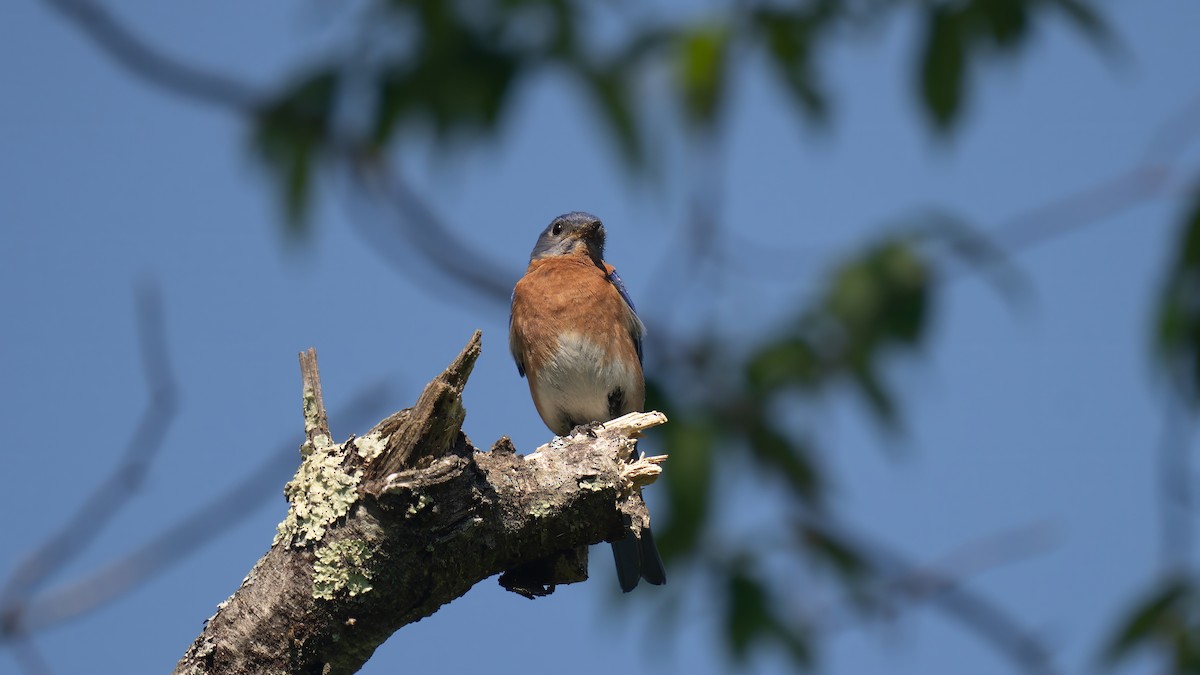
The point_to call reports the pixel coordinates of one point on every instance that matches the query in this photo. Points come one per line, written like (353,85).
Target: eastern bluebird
(574,333)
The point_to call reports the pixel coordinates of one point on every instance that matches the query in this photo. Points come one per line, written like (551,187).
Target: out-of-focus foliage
(290,133)
(1178,338)
(752,618)
(957,33)
(875,307)
(1167,621)
(451,67)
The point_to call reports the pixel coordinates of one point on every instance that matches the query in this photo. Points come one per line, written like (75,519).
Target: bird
(576,337)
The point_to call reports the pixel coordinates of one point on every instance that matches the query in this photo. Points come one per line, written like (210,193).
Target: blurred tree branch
(24,611)
(152,65)
(224,510)
(116,490)
(944,585)
(413,233)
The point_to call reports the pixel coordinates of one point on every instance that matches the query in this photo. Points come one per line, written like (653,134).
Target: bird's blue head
(570,233)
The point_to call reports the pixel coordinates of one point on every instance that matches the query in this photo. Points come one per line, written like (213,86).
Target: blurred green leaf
(700,67)
(657,399)
(799,646)
(855,299)
(288,133)
(1006,21)
(1178,325)
(882,295)
(458,79)
(751,619)
(790,361)
(610,87)
(1149,618)
(874,302)
(297,193)
(776,452)
(943,65)
(1190,252)
(690,443)
(748,618)
(1167,619)
(1088,20)
(839,555)
(974,248)
(453,68)
(880,401)
(905,278)
(789,37)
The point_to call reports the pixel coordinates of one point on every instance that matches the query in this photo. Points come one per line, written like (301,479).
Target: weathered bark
(385,529)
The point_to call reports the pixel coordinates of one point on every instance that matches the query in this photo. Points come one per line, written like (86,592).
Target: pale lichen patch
(342,567)
(541,509)
(321,492)
(205,649)
(370,446)
(311,411)
(592,484)
(415,508)
(319,442)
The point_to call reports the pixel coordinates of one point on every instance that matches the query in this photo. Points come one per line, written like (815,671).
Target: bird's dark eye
(556,230)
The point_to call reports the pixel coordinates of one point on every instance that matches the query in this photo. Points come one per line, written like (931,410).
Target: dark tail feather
(652,565)
(625,552)
(638,560)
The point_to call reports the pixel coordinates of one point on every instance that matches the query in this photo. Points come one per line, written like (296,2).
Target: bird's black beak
(592,235)
(593,232)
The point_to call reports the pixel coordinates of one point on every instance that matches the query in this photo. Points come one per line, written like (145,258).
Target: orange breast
(565,307)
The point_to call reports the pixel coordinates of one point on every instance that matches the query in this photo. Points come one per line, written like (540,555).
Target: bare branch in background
(30,657)
(1150,178)
(413,235)
(1086,207)
(695,265)
(221,513)
(24,612)
(126,478)
(1157,174)
(427,236)
(152,65)
(945,588)
(993,625)
(1000,549)
(460,264)
(1174,135)
(423,232)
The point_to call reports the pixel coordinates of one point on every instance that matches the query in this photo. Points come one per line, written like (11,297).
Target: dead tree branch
(316,420)
(386,528)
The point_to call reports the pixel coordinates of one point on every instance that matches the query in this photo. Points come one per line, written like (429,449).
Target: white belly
(574,386)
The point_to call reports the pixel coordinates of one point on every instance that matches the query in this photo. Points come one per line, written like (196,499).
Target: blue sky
(1042,413)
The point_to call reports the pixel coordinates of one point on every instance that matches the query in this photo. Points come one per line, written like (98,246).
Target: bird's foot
(588,429)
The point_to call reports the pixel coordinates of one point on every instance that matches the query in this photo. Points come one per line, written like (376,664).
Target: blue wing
(511,347)
(639,328)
